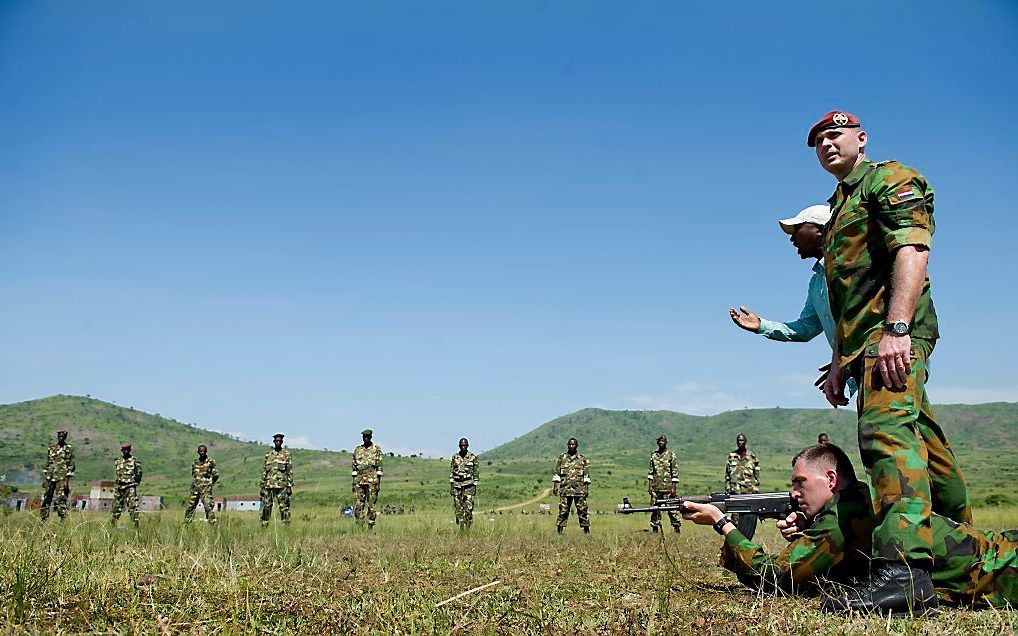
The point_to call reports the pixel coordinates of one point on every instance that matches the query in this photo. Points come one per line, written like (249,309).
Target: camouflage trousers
(58,489)
(463,503)
(655,517)
(580,501)
(125,497)
(973,567)
(365,496)
(912,468)
(279,495)
(204,495)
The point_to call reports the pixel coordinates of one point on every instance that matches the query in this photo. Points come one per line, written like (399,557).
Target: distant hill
(618,443)
(166,449)
(983,437)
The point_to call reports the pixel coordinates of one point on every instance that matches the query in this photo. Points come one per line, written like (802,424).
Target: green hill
(620,441)
(166,449)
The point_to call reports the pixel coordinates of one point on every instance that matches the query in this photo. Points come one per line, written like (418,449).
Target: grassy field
(322,574)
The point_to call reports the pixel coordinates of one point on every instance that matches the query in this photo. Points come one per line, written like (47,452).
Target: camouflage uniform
(877,209)
(56,479)
(970,567)
(662,478)
(742,476)
(572,481)
(128,476)
(277,484)
(205,475)
(464,472)
(367,473)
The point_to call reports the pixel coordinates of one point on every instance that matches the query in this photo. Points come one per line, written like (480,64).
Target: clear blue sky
(459,218)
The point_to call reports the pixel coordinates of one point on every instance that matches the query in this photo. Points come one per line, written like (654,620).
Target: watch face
(900,328)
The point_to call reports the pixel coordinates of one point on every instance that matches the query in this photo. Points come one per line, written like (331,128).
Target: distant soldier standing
(463,475)
(277,481)
(367,478)
(128,477)
(56,477)
(742,476)
(662,479)
(572,485)
(205,475)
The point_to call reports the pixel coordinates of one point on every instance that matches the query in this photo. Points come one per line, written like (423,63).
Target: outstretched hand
(747,319)
(701,514)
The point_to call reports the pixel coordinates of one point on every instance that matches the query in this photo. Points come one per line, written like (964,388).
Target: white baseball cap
(819,214)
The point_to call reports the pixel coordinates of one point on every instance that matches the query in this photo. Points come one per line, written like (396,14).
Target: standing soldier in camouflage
(876,251)
(367,478)
(56,477)
(742,476)
(572,485)
(463,475)
(277,481)
(662,479)
(205,475)
(128,477)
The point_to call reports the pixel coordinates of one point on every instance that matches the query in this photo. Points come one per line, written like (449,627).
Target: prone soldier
(662,479)
(56,477)
(367,478)
(572,485)
(128,477)
(464,473)
(277,481)
(205,475)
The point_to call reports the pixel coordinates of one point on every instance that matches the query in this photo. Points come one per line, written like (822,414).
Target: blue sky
(458,218)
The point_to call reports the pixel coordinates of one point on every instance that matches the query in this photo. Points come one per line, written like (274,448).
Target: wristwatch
(722,522)
(898,328)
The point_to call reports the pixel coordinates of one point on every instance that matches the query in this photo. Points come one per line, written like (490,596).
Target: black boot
(586,530)
(560,529)
(893,586)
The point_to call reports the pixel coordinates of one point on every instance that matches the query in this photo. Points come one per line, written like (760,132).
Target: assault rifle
(750,507)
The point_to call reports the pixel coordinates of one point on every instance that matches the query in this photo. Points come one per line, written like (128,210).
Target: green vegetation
(324,575)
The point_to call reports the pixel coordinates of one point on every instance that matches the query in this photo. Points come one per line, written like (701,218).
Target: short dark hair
(829,453)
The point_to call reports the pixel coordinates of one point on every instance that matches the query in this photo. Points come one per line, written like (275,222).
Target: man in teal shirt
(806,232)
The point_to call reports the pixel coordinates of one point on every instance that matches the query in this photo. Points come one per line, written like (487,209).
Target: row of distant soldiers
(571,481)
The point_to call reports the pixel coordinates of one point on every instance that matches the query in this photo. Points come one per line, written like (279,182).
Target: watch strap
(720,525)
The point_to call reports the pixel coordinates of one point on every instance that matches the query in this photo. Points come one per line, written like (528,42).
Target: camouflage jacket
(128,472)
(367,464)
(663,473)
(277,472)
(572,473)
(59,462)
(464,470)
(205,473)
(742,474)
(971,567)
(877,209)
(836,546)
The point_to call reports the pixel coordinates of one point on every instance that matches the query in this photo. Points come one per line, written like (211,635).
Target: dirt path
(544,493)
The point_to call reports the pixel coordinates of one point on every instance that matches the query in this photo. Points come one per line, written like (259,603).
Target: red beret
(833,119)
(125,447)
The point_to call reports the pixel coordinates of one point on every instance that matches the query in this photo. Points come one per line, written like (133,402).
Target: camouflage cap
(833,119)
(367,431)
(278,436)
(126,446)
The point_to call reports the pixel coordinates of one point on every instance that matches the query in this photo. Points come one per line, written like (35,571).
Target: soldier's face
(464,445)
(202,452)
(813,486)
(61,437)
(571,446)
(806,239)
(662,444)
(366,439)
(740,441)
(823,439)
(126,452)
(838,149)
(278,443)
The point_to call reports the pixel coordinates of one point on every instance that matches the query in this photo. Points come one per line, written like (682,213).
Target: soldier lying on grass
(829,543)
